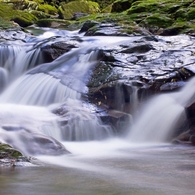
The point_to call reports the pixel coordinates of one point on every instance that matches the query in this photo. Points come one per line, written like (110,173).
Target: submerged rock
(32,143)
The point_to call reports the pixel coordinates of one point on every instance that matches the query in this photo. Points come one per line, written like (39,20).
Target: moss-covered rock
(67,10)
(6,151)
(24,19)
(48,9)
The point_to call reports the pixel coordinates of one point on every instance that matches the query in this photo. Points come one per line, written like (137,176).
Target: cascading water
(158,120)
(17,58)
(55,90)
(162,115)
(60,83)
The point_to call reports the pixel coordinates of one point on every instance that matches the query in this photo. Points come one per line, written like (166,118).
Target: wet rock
(53,51)
(106,30)
(78,15)
(190,114)
(120,6)
(118,120)
(140,64)
(87,25)
(182,138)
(32,143)
(139,48)
(6,151)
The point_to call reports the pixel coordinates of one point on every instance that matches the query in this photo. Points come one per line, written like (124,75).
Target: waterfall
(53,82)
(162,115)
(58,84)
(79,123)
(45,100)
(17,58)
(38,89)
(157,120)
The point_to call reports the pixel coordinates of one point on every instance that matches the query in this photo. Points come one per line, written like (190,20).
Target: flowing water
(99,162)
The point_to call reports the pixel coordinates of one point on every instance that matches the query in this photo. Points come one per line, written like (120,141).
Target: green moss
(6,151)
(6,11)
(24,19)
(4,24)
(48,9)
(159,20)
(104,4)
(67,10)
(147,6)
(40,14)
(191,14)
(180,14)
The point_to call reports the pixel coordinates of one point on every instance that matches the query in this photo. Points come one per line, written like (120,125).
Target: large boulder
(137,68)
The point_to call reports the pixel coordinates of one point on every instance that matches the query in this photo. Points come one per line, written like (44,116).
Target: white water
(157,121)
(161,115)
(17,58)
(38,89)
(80,124)
(63,83)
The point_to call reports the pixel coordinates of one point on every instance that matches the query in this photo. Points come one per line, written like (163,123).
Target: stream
(43,115)
(160,169)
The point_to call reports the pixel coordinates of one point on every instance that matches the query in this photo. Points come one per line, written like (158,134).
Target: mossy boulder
(6,151)
(48,9)
(67,10)
(24,19)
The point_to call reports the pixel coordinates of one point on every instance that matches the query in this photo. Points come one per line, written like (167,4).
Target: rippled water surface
(137,170)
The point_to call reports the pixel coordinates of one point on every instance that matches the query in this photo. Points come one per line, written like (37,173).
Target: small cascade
(3,78)
(157,120)
(162,115)
(38,89)
(79,123)
(53,82)
(18,58)
(30,129)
